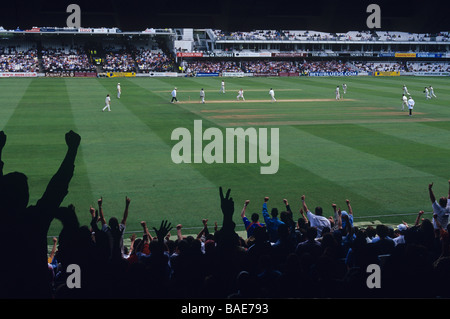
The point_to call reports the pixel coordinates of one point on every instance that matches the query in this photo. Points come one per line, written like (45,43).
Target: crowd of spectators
(13,60)
(269,66)
(325,66)
(369,66)
(306,35)
(273,67)
(121,61)
(281,256)
(428,67)
(57,60)
(194,67)
(151,61)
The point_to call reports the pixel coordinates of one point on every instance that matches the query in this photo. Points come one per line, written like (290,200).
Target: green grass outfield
(363,148)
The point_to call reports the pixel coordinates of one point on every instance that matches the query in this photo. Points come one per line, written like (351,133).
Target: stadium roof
(67,30)
(232,15)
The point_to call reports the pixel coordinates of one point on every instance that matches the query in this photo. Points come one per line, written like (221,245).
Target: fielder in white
(427,93)
(240,95)
(119,90)
(202,96)
(222,87)
(405,90)
(344,88)
(107,104)
(404,102)
(272,95)
(432,92)
(338,95)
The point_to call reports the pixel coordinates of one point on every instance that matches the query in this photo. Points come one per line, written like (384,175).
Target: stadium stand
(17,60)
(153,61)
(121,61)
(216,51)
(54,60)
(428,67)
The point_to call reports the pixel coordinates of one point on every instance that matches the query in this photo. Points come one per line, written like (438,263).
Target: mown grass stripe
(344,164)
(30,136)
(127,157)
(11,92)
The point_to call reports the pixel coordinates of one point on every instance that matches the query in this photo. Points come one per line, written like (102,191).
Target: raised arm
(350,211)
(179,234)
(419,216)
(227,207)
(303,215)
(52,253)
(339,218)
(132,242)
(94,219)
(145,230)
(204,230)
(58,186)
(125,213)
(286,203)
(304,207)
(243,208)
(100,211)
(430,191)
(163,230)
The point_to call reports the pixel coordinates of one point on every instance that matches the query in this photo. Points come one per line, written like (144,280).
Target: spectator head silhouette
(14,193)
(443,202)
(311,233)
(113,223)
(255,217)
(318,211)
(274,212)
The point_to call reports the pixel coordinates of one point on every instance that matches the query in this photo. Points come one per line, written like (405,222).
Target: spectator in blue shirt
(271,221)
(250,225)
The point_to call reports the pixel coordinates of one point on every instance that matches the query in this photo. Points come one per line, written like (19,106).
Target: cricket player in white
(272,94)
(405,90)
(432,92)
(202,96)
(427,93)
(240,95)
(344,88)
(174,95)
(107,104)
(338,95)
(411,104)
(119,90)
(222,88)
(404,102)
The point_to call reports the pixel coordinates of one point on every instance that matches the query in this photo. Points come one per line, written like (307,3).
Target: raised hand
(226,203)
(72,139)
(164,228)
